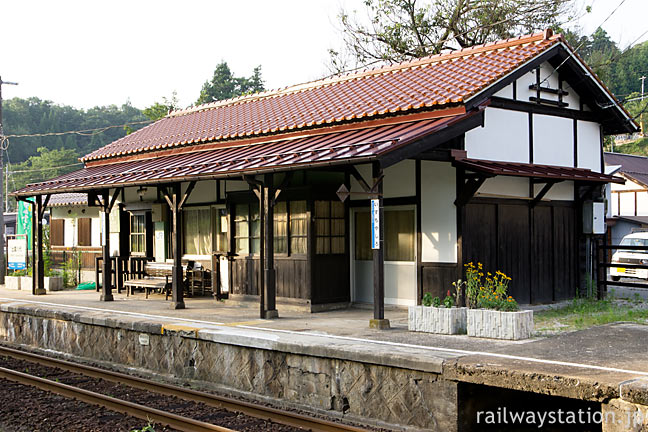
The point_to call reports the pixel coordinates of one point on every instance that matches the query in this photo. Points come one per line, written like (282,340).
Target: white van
(631,257)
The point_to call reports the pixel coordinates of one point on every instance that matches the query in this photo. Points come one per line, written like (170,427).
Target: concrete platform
(590,365)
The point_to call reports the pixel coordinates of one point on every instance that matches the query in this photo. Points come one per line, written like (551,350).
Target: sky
(94,53)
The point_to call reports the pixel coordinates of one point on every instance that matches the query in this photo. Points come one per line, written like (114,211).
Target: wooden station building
(483,154)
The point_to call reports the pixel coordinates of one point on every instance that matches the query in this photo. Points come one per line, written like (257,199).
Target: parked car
(631,257)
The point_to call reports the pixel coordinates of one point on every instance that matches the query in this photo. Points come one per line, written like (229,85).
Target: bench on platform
(152,276)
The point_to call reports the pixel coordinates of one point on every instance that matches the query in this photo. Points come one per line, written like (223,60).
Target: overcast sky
(89,53)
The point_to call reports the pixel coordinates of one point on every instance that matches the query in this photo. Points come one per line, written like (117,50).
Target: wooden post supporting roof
(176,202)
(379,320)
(38,269)
(269,271)
(106,269)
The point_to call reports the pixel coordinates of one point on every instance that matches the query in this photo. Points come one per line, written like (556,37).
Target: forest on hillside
(35,158)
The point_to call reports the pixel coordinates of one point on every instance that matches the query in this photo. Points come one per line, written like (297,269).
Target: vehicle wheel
(616,278)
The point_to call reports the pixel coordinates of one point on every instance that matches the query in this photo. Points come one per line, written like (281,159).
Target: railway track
(147,413)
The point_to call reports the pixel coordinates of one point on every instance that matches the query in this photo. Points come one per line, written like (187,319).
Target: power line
(84,132)
(45,169)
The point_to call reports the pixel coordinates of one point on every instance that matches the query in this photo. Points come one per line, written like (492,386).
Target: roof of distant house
(66,199)
(633,166)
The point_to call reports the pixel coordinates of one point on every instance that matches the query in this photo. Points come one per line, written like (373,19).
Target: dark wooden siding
(437,278)
(291,277)
(513,251)
(535,247)
(84,230)
(57,232)
(566,252)
(541,258)
(331,279)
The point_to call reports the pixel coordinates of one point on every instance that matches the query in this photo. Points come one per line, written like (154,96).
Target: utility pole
(643,78)
(3,265)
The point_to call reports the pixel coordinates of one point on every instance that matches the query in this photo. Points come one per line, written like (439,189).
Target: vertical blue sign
(375,224)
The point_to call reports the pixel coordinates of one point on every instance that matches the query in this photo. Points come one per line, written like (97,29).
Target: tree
(46,165)
(400,30)
(224,85)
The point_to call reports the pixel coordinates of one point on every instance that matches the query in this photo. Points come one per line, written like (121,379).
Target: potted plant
(492,313)
(437,316)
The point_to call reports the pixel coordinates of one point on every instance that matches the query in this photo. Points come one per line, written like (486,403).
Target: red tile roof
(535,171)
(359,145)
(429,83)
(66,199)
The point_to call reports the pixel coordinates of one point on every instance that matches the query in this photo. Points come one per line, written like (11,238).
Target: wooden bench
(154,276)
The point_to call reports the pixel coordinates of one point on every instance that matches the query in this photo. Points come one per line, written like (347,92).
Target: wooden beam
(190,188)
(469,189)
(177,282)
(106,289)
(356,174)
(44,206)
(113,199)
(548,185)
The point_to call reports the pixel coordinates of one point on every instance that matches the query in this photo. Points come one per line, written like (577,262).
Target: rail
(230,404)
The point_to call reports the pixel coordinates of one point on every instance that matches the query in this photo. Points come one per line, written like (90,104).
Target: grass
(583,313)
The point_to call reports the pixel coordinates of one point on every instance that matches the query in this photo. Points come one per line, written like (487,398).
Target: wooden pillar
(269,271)
(106,269)
(177,298)
(379,320)
(38,269)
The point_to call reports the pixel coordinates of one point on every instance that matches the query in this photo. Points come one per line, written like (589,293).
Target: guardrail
(602,264)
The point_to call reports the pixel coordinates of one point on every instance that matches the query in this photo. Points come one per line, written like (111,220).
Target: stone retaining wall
(358,390)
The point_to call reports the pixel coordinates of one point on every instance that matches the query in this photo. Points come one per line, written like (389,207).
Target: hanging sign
(24,221)
(17,253)
(375,224)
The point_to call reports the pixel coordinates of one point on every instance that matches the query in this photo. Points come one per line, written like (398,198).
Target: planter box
(500,325)
(52,283)
(12,282)
(437,320)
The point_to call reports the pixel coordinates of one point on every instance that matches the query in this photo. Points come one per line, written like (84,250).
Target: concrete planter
(12,282)
(437,319)
(494,324)
(52,283)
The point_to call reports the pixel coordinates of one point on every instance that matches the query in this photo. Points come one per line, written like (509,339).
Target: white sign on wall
(17,253)
(375,224)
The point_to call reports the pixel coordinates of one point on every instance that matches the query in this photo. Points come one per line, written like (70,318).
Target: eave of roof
(430,83)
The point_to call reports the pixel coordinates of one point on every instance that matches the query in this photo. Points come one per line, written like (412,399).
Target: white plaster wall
(563,191)
(642,203)
(204,192)
(365,172)
(553,141)
(504,137)
(400,180)
(438,212)
(589,145)
(69,232)
(614,204)
(627,204)
(236,185)
(547,73)
(523,83)
(573,99)
(131,195)
(95,232)
(506,92)
(628,185)
(508,187)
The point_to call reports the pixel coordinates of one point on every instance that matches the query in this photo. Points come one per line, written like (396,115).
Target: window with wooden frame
(329,227)
(255,228)
(57,232)
(84,231)
(138,234)
(298,227)
(281,228)
(197,231)
(242,229)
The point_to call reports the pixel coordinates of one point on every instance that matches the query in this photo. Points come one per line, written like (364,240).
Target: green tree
(398,30)
(46,165)
(224,85)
